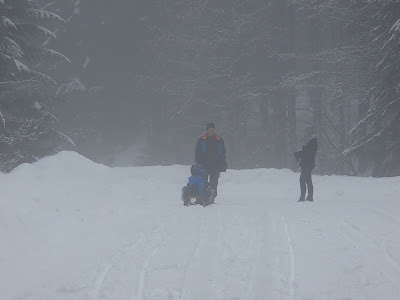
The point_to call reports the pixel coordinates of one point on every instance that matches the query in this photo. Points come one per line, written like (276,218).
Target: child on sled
(197,190)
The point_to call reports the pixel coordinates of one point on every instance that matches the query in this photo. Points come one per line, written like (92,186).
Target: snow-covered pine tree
(28,127)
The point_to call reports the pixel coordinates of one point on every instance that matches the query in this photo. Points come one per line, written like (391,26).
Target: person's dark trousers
(214,175)
(305,178)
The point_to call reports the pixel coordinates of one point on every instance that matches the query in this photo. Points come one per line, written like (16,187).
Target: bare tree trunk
(279,130)
(291,108)
(363,107)
(266,126)
(291,98)
(342,131)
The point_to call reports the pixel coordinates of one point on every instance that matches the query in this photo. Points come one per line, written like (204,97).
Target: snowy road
(71,229)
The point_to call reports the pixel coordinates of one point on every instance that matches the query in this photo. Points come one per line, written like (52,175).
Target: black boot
(310,198)
(301,199)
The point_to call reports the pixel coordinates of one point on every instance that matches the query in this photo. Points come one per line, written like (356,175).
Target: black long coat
(307,154)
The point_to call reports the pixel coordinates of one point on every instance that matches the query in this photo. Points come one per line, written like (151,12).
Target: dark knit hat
(210,125)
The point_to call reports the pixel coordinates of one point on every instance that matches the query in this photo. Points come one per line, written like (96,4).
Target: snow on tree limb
(46,32)
(20,85)
(44,77)
(10,47)
(67,138)
(395,27)
(33,4)
(3,120)
(20,66)
(6,24)
(48,5)
(364,121)
(35,30)
(10,63)
(45,15)
(61,57)
(362,145)
(74,86)
(391,107)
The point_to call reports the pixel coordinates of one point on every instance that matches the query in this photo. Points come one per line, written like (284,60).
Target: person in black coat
(307,162)
(210,153)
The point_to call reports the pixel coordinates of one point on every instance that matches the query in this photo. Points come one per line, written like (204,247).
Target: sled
(190,197)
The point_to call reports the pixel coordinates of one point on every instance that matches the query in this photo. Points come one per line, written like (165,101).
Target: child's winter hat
(197,170)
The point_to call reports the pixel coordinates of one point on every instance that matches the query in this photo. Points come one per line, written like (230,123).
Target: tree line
(152,73)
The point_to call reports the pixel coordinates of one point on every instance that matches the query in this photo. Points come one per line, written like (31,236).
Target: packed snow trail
(72,229)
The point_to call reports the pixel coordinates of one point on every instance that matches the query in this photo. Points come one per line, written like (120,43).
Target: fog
(135,82)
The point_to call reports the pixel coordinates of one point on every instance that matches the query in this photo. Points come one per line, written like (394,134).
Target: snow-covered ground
(73,229)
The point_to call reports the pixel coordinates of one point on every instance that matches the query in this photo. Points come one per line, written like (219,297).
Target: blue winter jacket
(199,181)
(201,153)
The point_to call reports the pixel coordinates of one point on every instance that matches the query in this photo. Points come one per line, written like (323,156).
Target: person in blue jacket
(197,179)
(210,153)
(197,187)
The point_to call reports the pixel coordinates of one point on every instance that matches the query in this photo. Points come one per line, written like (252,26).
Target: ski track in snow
(386,217)
(292,261)
(250,245)
(101,275)
(157,239)
(192,259)
(250,292)
(144,270)
(367,246)
(106,268)
(217,270)
(188,261)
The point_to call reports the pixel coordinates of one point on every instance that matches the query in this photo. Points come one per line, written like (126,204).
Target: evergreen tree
(27,65)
